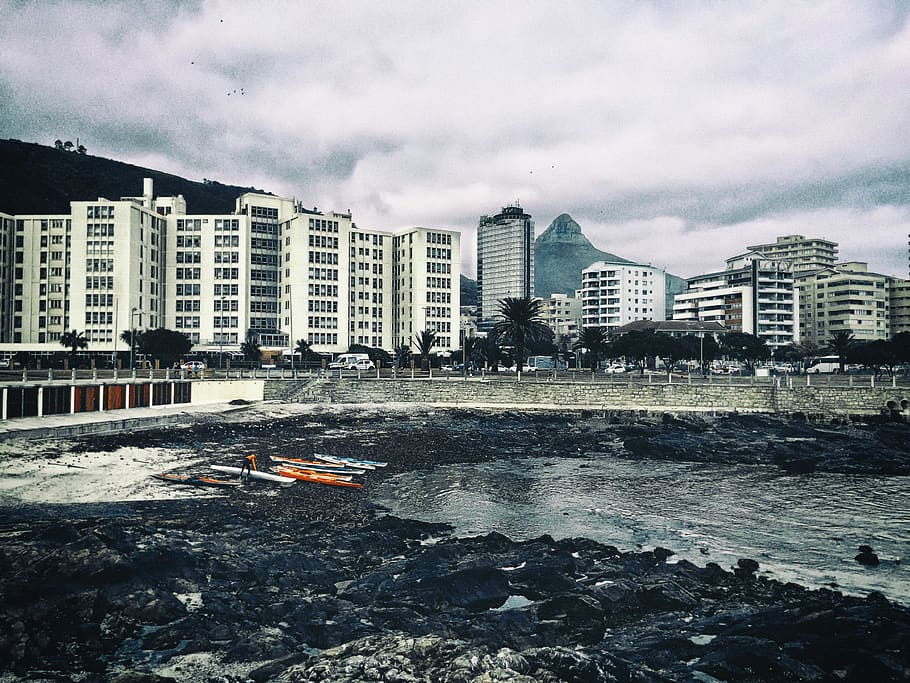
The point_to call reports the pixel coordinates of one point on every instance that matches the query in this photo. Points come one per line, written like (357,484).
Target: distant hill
(560,254)
(37,179)
(469,292)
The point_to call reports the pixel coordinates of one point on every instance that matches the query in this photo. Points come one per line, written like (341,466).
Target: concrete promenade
(133,419)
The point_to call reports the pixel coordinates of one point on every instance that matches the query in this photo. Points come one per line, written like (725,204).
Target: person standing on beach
(249,466)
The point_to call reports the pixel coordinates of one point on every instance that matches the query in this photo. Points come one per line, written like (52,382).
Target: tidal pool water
(805,529)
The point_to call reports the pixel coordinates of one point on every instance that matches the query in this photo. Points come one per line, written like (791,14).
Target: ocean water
(806,529)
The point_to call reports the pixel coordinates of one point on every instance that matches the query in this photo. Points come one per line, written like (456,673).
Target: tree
(489,352)
(745,348)
(74,340)
(799,354)
(468,349)
(592,341)
(701,348)
(840,343)
(425,341)
(403,353)
(165,346)
(878,355)
(250,348)
(521,325)
(636,346)
(667,348)
(58,144)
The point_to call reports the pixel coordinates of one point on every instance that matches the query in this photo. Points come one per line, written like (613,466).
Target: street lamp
(133,312)
(221,337)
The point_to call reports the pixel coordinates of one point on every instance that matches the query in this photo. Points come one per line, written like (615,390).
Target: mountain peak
(560,254)
(563,229)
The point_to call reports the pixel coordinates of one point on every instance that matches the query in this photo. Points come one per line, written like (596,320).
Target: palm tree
(522,323)
(74,340)
(250,348)
(840,343)
(468,350)
(594,340)
(425,341)
(488,350)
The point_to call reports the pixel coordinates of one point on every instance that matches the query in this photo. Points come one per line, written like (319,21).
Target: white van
(824,364)
(352,361)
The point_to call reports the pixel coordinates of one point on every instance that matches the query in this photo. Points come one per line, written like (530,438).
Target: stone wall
(633,396)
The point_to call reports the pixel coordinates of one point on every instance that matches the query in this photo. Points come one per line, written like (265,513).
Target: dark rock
(745,567)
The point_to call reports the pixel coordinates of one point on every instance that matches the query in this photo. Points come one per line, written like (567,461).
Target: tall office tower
(805,254)
(426,285)
(505,258)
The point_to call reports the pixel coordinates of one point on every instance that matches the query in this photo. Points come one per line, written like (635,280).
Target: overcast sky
(674,133)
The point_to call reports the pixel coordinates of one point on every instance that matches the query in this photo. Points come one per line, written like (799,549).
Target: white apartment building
(844,298)
(754,294)
(271,268)
(562,314)
(614,294)
(505,259)
(426,287)
(804,254)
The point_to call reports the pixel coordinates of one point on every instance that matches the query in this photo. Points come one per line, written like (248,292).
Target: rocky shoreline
(313,583)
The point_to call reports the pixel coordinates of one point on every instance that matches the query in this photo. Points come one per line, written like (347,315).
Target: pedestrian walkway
(113,421)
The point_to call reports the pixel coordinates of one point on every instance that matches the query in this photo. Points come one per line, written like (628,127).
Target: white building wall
(615,294)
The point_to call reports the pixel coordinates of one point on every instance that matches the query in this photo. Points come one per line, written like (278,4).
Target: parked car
(193,366)
(5,363)
(614,369)
(364,364)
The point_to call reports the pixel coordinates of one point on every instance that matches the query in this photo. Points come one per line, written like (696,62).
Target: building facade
(505,259)
(562,314)
(271,270)
(755,295)
(899,299)
(614,294)
(844,298)
(805,254)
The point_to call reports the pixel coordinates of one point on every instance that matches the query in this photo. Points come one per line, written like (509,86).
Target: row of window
(97,300)
(438,252)
(324,241)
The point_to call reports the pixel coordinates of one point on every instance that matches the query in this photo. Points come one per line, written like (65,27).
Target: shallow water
(804,529)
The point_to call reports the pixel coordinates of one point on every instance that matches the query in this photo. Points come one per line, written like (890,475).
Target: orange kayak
(318,477)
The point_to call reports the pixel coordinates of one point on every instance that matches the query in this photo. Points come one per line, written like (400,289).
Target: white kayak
(255,474)
(351,462)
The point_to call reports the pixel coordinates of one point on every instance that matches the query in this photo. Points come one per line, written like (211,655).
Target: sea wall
(679,396)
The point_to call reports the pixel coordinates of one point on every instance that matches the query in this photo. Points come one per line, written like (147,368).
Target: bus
(824,364)
(545,363)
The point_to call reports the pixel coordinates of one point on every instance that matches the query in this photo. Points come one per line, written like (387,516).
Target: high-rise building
(614,294)
(804,254)
(427,285)
(844,298)
(753,295)
(505,258)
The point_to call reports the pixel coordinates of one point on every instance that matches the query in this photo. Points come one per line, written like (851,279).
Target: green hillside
(36,179)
